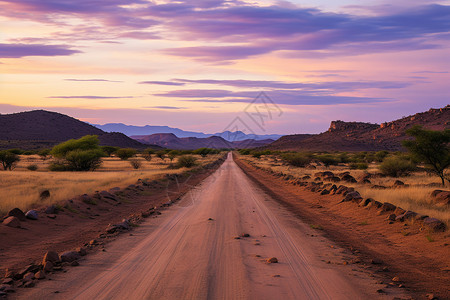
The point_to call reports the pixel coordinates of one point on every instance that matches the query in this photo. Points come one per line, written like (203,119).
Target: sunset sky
(198,65)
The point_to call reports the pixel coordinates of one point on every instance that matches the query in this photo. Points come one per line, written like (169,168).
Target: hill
(43,129)
(170,140)
(359,136)
(131,130)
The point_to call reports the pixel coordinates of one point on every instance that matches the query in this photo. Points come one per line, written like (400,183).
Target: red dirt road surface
(183,254)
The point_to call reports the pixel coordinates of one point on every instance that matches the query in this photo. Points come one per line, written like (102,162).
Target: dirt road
(184,255)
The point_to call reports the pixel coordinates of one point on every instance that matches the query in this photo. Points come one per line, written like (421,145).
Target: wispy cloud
(166,107)
(162,83)
(22,50)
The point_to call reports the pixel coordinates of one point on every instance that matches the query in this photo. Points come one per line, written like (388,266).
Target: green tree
(83,154)
(431,147)
(186,161)
(172,154)
(109,149)
(161,154)
(327,159)
(126,153)
(9,159)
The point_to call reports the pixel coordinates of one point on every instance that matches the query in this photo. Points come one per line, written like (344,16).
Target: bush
(32,167)
(147,154)
(172,154)
(359,166)
(244,151)
(327,159)
(109,149)
(84,160)
(135,163)
(186,161)
(44,153)
(205,151)
(161,154)
(395,166)
(297,159)
(125,153)
(83,154)
(9,160)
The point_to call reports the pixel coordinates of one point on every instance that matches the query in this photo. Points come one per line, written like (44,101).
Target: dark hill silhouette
(358,136)
(40,129)
(170,140)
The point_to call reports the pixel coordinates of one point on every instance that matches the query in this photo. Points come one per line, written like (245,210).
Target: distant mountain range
(43,129)
(359,136)
(130,130)
(171,141)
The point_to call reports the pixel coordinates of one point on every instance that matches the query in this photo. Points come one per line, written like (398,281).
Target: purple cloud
(22,50)
(166,107)
(162,83)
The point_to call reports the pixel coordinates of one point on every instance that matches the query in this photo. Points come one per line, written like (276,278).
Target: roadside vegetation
(81,166)
(422,169)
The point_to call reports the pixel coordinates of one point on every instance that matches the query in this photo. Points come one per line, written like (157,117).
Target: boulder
(44,194)
(48,266)
(353,196)
(32,214)
(52,257)
(11,222)
(405,216)
(82,251)
(325,192)
(388,207)
(306,177)
(70,256)
(328,174)
(398,183)
(107,195)
(378,187)
(441,197)
(348,178)
(272,260)
(332,179)
(39,275)
(434,224)
(366,181)
(399,211)
(391,217)
(51,210)
(365,202)
(18,213)
(28,276)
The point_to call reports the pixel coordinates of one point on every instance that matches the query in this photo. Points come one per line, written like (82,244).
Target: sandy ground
(184,255)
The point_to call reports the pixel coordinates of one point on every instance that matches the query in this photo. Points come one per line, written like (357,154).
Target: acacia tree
(431,147)
(8,159)
(83,154)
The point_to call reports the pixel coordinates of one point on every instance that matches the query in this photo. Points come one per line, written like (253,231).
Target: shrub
(359,166)
(135,163)
(297,159)
(186,161)
(32,167)
(161,154)
(205,151)
(395,166)
(82,154)
(109,149)
(172,154)
(244,151)
(9,160)
(44,153)
(381,155)
(147,154)
(327,159)
(125,153)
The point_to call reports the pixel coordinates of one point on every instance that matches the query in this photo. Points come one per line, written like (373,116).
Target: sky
(261,67)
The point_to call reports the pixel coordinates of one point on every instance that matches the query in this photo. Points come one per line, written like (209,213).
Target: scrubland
(415,195)
(21,187)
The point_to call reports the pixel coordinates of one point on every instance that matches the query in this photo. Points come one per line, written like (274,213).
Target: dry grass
(21,187)
(415,197)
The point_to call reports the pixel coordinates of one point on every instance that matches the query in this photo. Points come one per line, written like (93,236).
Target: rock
(18,213)
(272,260)
(48,266)
(325,192)
(378,187)
(391,217)
(434,224)
(32,214)
(51,216)
(398,183)
(11,222)
(39,275)
(44,194)
(366,181)
(245,235)
(395,279)
(51,210)
(441,198)
(376,262)
(405,216)
(9,273)
(388,207)
(28,284)
(8,281)
(52,257)
(436,192)
(365,202)
(74,263)
(82,251)
(70,256)
(353,196)
(107,195)
(332,179)
(341,189)
(348,178)
(116,189)
(306,177)
(29,269)
(85,198)
(399,211)
(28,276)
